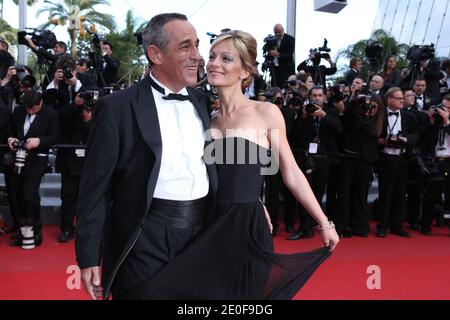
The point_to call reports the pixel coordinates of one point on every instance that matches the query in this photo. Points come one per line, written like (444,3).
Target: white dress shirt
(420,101)
(443,151)
(29,118)
(394,127)
(183,175)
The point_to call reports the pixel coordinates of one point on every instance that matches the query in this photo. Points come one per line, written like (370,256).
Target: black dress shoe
(381,234)
(37,237)
(361,234)
(425,231)
(400,232)
(301,235)
(65,236)
(414,226)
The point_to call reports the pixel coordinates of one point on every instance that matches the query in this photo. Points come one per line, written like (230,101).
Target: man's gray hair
(154,33)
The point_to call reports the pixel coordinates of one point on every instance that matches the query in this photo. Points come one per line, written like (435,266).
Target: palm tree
(7,32)
(389,44)
(127,49)
(74,13)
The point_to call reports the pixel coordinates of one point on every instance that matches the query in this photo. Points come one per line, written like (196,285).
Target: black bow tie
(177,96)
(393,114)
(170,96)
(419,98)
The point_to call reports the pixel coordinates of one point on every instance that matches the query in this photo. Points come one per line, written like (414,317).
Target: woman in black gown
(234,258)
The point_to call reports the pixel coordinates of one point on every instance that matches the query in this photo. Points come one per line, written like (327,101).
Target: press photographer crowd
(392,126)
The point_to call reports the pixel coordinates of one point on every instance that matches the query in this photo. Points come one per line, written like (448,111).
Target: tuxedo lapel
(147,118)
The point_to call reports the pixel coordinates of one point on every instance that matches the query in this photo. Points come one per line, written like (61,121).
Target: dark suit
(108,68)
(350,76)
(393,175)
(121,170)
(25,187)
(355,171)
(318,73)
(393,80)
(304,132)
(286,62)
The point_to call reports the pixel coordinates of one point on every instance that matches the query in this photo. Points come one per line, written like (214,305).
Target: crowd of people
(340,140)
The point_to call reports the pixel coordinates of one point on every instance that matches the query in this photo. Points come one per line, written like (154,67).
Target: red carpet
(415,268)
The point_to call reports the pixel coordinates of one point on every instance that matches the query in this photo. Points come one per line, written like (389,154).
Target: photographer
(399,134)
(107,67)
(362,119)
(34,130)
(283,57)
(315,131)
(438,175)
(18,80)
(59,50)
(355,70)
(391,75)
(77,118)
(315,69)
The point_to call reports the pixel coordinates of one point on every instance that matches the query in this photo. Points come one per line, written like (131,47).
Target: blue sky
(353,23)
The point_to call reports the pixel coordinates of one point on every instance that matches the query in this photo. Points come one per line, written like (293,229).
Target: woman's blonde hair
(246,45)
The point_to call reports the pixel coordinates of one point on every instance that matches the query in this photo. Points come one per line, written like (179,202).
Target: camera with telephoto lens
(270,43)
(67,74)
(24,76)
(435,110)
(21,155)
(42,38)
(90,98)
(374,54)
(337,93)
(416,54)
(320,53)
(311,107)
(365,103)
(296,100)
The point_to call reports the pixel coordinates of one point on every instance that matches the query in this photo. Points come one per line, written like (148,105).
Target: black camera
(374,54)
(67,73)
(42,38)
(90,98)
(24,77)
(20,157)
(365,103)
(320,53)
(297,100)
(270,43)
(396,141)
(311,107)
(337,93)
(436,115)
(416,54)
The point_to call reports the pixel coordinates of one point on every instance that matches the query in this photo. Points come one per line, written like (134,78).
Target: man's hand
(33,143)
(91,281)
(444,115)
(319,113)
(274,53)
(11,142)
(59,76)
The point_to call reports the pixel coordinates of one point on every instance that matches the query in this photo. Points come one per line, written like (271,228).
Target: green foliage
(390,45)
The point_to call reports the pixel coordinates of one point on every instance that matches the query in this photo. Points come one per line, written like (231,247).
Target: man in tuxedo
(145,189)
(355,70)
(399,134)
(37,125)
(107,65)
(283,57)
(423,102)
(316,131)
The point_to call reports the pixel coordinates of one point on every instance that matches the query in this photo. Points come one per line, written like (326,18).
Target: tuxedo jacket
(122,165)
(287,50)
(109,70)
(409,130)
(45,127)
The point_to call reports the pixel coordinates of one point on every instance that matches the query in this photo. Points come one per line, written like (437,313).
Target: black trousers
(318,181)
(414,190)
(24,189)
(165,234)
(392,186)
(433,204)
(352,213)
(69,193)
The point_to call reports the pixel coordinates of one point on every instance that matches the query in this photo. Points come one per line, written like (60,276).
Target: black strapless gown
(234,258)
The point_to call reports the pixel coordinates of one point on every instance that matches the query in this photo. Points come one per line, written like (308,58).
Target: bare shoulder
(270,113)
